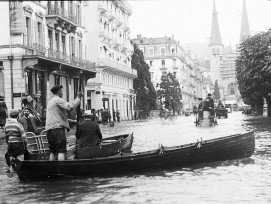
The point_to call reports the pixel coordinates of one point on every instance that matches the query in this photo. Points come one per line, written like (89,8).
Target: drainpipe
(10,58)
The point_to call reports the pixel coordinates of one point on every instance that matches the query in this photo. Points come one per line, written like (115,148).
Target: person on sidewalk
(57,122)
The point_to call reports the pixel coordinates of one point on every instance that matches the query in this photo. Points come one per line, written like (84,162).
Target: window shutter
(36,27)
(43,35)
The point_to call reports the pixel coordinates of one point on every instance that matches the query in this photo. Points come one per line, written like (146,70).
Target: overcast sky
(190,20)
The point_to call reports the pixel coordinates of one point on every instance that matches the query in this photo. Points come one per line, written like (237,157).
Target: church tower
(216,48)
(245,31)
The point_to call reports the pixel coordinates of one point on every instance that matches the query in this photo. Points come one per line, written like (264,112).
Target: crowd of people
(59,116)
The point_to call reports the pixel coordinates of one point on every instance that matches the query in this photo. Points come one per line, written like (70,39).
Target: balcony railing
(103,62)
(36,49)
(65,14)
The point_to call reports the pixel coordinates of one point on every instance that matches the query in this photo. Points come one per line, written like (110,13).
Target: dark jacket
(89,134)
(24,123)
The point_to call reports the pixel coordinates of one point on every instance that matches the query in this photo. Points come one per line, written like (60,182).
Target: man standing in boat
(57,122)
(89,133)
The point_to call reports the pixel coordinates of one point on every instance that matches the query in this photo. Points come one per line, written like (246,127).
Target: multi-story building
(41,45)
(108,45)
(166,55)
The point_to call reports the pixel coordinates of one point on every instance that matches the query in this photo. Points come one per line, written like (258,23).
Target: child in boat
(15,137)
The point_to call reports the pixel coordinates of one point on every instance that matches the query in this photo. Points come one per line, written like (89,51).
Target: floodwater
(236,181)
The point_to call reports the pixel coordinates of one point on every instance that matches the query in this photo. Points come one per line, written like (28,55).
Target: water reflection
(236,181)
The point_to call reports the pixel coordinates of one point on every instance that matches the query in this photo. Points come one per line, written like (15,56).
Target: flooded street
(236,181)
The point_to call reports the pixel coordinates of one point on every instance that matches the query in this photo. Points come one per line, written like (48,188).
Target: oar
(78,110)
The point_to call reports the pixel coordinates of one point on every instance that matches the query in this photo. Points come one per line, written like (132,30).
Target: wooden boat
(219,149)
(206,121)
(39,150)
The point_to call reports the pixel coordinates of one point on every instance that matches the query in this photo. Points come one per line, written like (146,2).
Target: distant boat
(219,149)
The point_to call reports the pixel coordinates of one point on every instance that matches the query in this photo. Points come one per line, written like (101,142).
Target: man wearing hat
(210,104)
(15,137)
(57,122)
(89,133)
(28,121)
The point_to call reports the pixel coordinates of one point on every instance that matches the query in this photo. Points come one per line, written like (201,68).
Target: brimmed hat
(209,94)
(56,88)
(13,113)
(199,99)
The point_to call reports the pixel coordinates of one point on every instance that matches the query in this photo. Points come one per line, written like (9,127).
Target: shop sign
(16,17)
(17,94)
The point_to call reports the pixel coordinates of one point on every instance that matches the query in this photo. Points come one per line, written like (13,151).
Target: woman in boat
(89,133)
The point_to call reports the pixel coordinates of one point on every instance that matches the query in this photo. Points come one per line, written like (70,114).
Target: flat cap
(56,88)
(13,113)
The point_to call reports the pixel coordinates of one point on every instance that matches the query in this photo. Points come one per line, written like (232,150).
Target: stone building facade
(166,55)
(108,45)
(42,45)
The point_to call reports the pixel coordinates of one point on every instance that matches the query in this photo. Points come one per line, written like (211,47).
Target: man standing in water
(57,122)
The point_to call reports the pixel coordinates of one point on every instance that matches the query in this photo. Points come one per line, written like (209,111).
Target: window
(72,46)
(151,51)
(80,48)
(152,75)
(39,34)
(50,39)
(78,15)
(150,63)
(174,74)
(57,41)
(163,51)
(174,62)
(173,51)
(63,44)
(163,62)
(28,31)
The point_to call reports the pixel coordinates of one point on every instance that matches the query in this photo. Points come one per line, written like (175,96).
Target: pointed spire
(215,32)
(245,31)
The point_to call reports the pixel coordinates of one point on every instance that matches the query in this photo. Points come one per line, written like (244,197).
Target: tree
(170,92)
(145,92)
(216,91)
(253,69)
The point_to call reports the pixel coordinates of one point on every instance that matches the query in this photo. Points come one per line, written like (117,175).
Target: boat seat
(37,143)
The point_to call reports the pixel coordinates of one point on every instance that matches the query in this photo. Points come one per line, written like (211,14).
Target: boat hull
(231,147)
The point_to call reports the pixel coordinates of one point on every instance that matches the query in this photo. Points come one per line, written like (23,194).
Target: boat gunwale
(149,153)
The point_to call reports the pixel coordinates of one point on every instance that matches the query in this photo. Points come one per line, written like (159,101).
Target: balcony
(115,44)
(110,16)
(126,27)
(125,5)
(57,56)
(163,68)
(102,9)
(62,18)
(117,67)
(117,22)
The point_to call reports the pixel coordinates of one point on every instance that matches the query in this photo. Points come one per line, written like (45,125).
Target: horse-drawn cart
(221,113)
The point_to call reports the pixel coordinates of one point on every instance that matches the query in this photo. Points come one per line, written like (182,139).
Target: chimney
(139,37)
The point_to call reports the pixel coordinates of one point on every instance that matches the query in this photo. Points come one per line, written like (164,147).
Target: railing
(36,49)
(116,65)
(57,10)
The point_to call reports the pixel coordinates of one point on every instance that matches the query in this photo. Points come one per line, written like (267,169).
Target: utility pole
(11,57)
